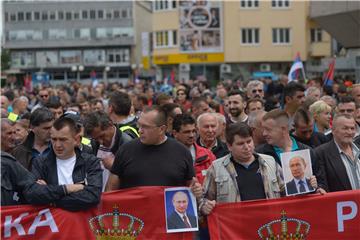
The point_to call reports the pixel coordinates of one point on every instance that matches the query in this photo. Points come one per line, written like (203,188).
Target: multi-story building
(234,39)
(75,40)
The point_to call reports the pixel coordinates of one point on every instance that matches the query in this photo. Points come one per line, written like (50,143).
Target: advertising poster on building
(70,57)
(47,58)
(200,26)
(23,59)
(94,57)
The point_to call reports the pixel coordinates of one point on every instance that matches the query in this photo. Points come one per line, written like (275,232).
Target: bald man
(181,218)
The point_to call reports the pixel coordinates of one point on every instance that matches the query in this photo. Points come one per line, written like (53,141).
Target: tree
(5,59)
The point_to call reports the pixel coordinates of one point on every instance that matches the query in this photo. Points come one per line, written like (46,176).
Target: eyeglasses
(257,90)
(44,96)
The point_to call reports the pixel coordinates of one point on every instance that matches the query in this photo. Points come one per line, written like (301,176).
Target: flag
(295,69)
(329,77)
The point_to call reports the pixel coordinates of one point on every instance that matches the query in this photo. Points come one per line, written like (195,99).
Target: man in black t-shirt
(152,159)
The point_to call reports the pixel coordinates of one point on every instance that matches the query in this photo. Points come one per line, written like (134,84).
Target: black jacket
(19,186)
(87,170)
(316,139)
(336,178)
(133,132)
(120,139)
(23,153)
(269,150)
(219,151)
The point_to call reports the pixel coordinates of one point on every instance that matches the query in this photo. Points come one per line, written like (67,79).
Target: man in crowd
(294,97)
(255,123)
(304,129)
(119,112)
(43,97)
(207,124)
(171,110)
(253,105)
(55,106)
(66,164)
(108,139)
(255,89)
(237,107)
(18,185)
(184,131)
(241,175)
(20,105)
(37,142)
(199,106)
(339,158)
(278,140)
(153,159)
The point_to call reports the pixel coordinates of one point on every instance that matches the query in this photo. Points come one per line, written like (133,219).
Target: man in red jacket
(184,131)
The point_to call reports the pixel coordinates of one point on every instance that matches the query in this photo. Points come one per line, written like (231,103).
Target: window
(249,3)
(174,37)
(315,35)
(100,14)
(60,15)
(37,16)
(56,34)
(124,13)
(280,3)
(28,16)
(250,36)
(85,33)
(108,14)
(116,14)
(281,35)
(76,33)
(76,15)
(68,15)
(84,14)
(13,17)
(92,14)
(159,5)
(52,16)
(6,17)
(44,16)
(20,16)
(165,39)
(118,56)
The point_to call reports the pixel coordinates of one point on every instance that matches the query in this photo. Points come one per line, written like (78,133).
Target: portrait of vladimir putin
(299,183)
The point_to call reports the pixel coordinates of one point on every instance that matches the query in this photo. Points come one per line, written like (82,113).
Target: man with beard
(255,89)
(237,107)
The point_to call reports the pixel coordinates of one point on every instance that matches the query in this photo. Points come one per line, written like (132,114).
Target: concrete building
(57,40)
(342,20)
(234,39)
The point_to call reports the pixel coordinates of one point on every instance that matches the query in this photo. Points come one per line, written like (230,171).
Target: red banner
(331,216)
(144,206)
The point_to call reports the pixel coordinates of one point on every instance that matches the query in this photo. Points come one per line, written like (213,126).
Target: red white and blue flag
(294,72)
(329,77)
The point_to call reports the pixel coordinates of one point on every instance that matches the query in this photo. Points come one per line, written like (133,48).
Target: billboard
(94,57)
(22,59)
(47,59)
(200,26)
(70,57)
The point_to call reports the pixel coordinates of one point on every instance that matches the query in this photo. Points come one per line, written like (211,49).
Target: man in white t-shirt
(66,164)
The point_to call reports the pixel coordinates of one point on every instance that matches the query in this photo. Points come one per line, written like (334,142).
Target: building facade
(234,39)
(73,40)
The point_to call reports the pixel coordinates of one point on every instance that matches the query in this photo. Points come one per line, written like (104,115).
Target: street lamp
(77,69)
(106,70)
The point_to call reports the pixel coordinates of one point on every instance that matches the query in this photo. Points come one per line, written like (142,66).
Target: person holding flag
(295,68)
(328,79)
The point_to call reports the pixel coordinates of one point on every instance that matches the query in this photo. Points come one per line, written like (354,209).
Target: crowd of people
(65,145)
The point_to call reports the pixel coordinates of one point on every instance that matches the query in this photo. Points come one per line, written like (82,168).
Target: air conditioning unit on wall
(184,67)
(225,68)
(265,67)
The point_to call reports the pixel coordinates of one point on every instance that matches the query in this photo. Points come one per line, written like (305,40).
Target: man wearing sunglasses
(42,97)
(255,89)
